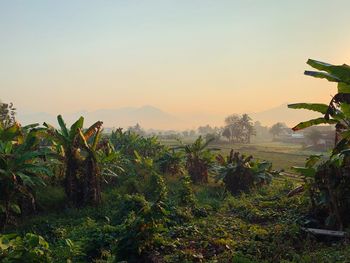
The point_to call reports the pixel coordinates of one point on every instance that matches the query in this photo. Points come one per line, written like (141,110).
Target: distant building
(324,143)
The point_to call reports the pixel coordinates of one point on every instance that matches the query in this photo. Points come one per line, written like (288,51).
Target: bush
(241,174)
(30,248)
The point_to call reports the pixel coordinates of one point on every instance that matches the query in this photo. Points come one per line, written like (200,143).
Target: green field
(282,155)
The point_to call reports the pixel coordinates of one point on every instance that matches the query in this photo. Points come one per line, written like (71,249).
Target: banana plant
(129,142)
(240,173)
(338,110)
(21,167)
(327,181)
(77,148)
(198,159)
(112,162)
(172,162)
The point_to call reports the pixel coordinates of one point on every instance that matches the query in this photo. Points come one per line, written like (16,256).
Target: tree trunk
(198,171)
(91,183)
(71,181)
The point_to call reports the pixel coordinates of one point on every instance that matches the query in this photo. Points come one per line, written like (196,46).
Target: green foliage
(142,229)
(172,162)
(78,150)
(241,174)
(7,114)
(238,128)
(21,165)
(337,112)
(327,182)
(147,216)
(31,248)
(186,193)
(112,162)
(128,142)
(198,160)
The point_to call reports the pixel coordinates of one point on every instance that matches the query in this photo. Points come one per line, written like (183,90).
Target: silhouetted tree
(277,129)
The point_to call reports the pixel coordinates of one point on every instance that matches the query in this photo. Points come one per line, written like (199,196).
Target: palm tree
(247,127)
(78,152)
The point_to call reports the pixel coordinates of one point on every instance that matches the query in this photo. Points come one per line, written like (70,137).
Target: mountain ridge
(151,117)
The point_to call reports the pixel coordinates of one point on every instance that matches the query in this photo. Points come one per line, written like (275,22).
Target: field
(282,155)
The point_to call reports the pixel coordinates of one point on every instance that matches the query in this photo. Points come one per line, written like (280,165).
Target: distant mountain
(150,117)
(147,116)
(283,114)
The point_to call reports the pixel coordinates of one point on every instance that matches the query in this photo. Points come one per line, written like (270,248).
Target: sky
(184,57)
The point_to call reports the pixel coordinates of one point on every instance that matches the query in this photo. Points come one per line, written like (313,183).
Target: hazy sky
(181,56)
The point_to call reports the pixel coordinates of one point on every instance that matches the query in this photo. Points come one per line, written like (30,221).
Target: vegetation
(238,128)
(241,174)
(327,180)
(127,197)
(277,129)
(21,170)
(77,149)
(198,160)
(7,114)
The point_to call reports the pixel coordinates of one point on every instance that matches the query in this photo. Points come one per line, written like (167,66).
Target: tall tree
(238,128)
(247,127)
(232,127)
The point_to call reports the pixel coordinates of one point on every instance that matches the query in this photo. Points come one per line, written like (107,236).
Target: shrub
(241,174)
(172,162)
(30,248)
(198,160)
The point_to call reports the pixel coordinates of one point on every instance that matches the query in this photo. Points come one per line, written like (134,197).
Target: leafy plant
(172,162)
(31,248)
(141,231)
(128,142)
(198,159)
(186,194)
(338,110)
(328,181)
(21,164)
(240,174)
(78,151)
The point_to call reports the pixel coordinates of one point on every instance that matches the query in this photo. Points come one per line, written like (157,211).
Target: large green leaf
(309,123)
(96,139)
(319,107)
(321,75)
(63,126)
(74,128)
(345,109)
(343,87)
(340,72)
